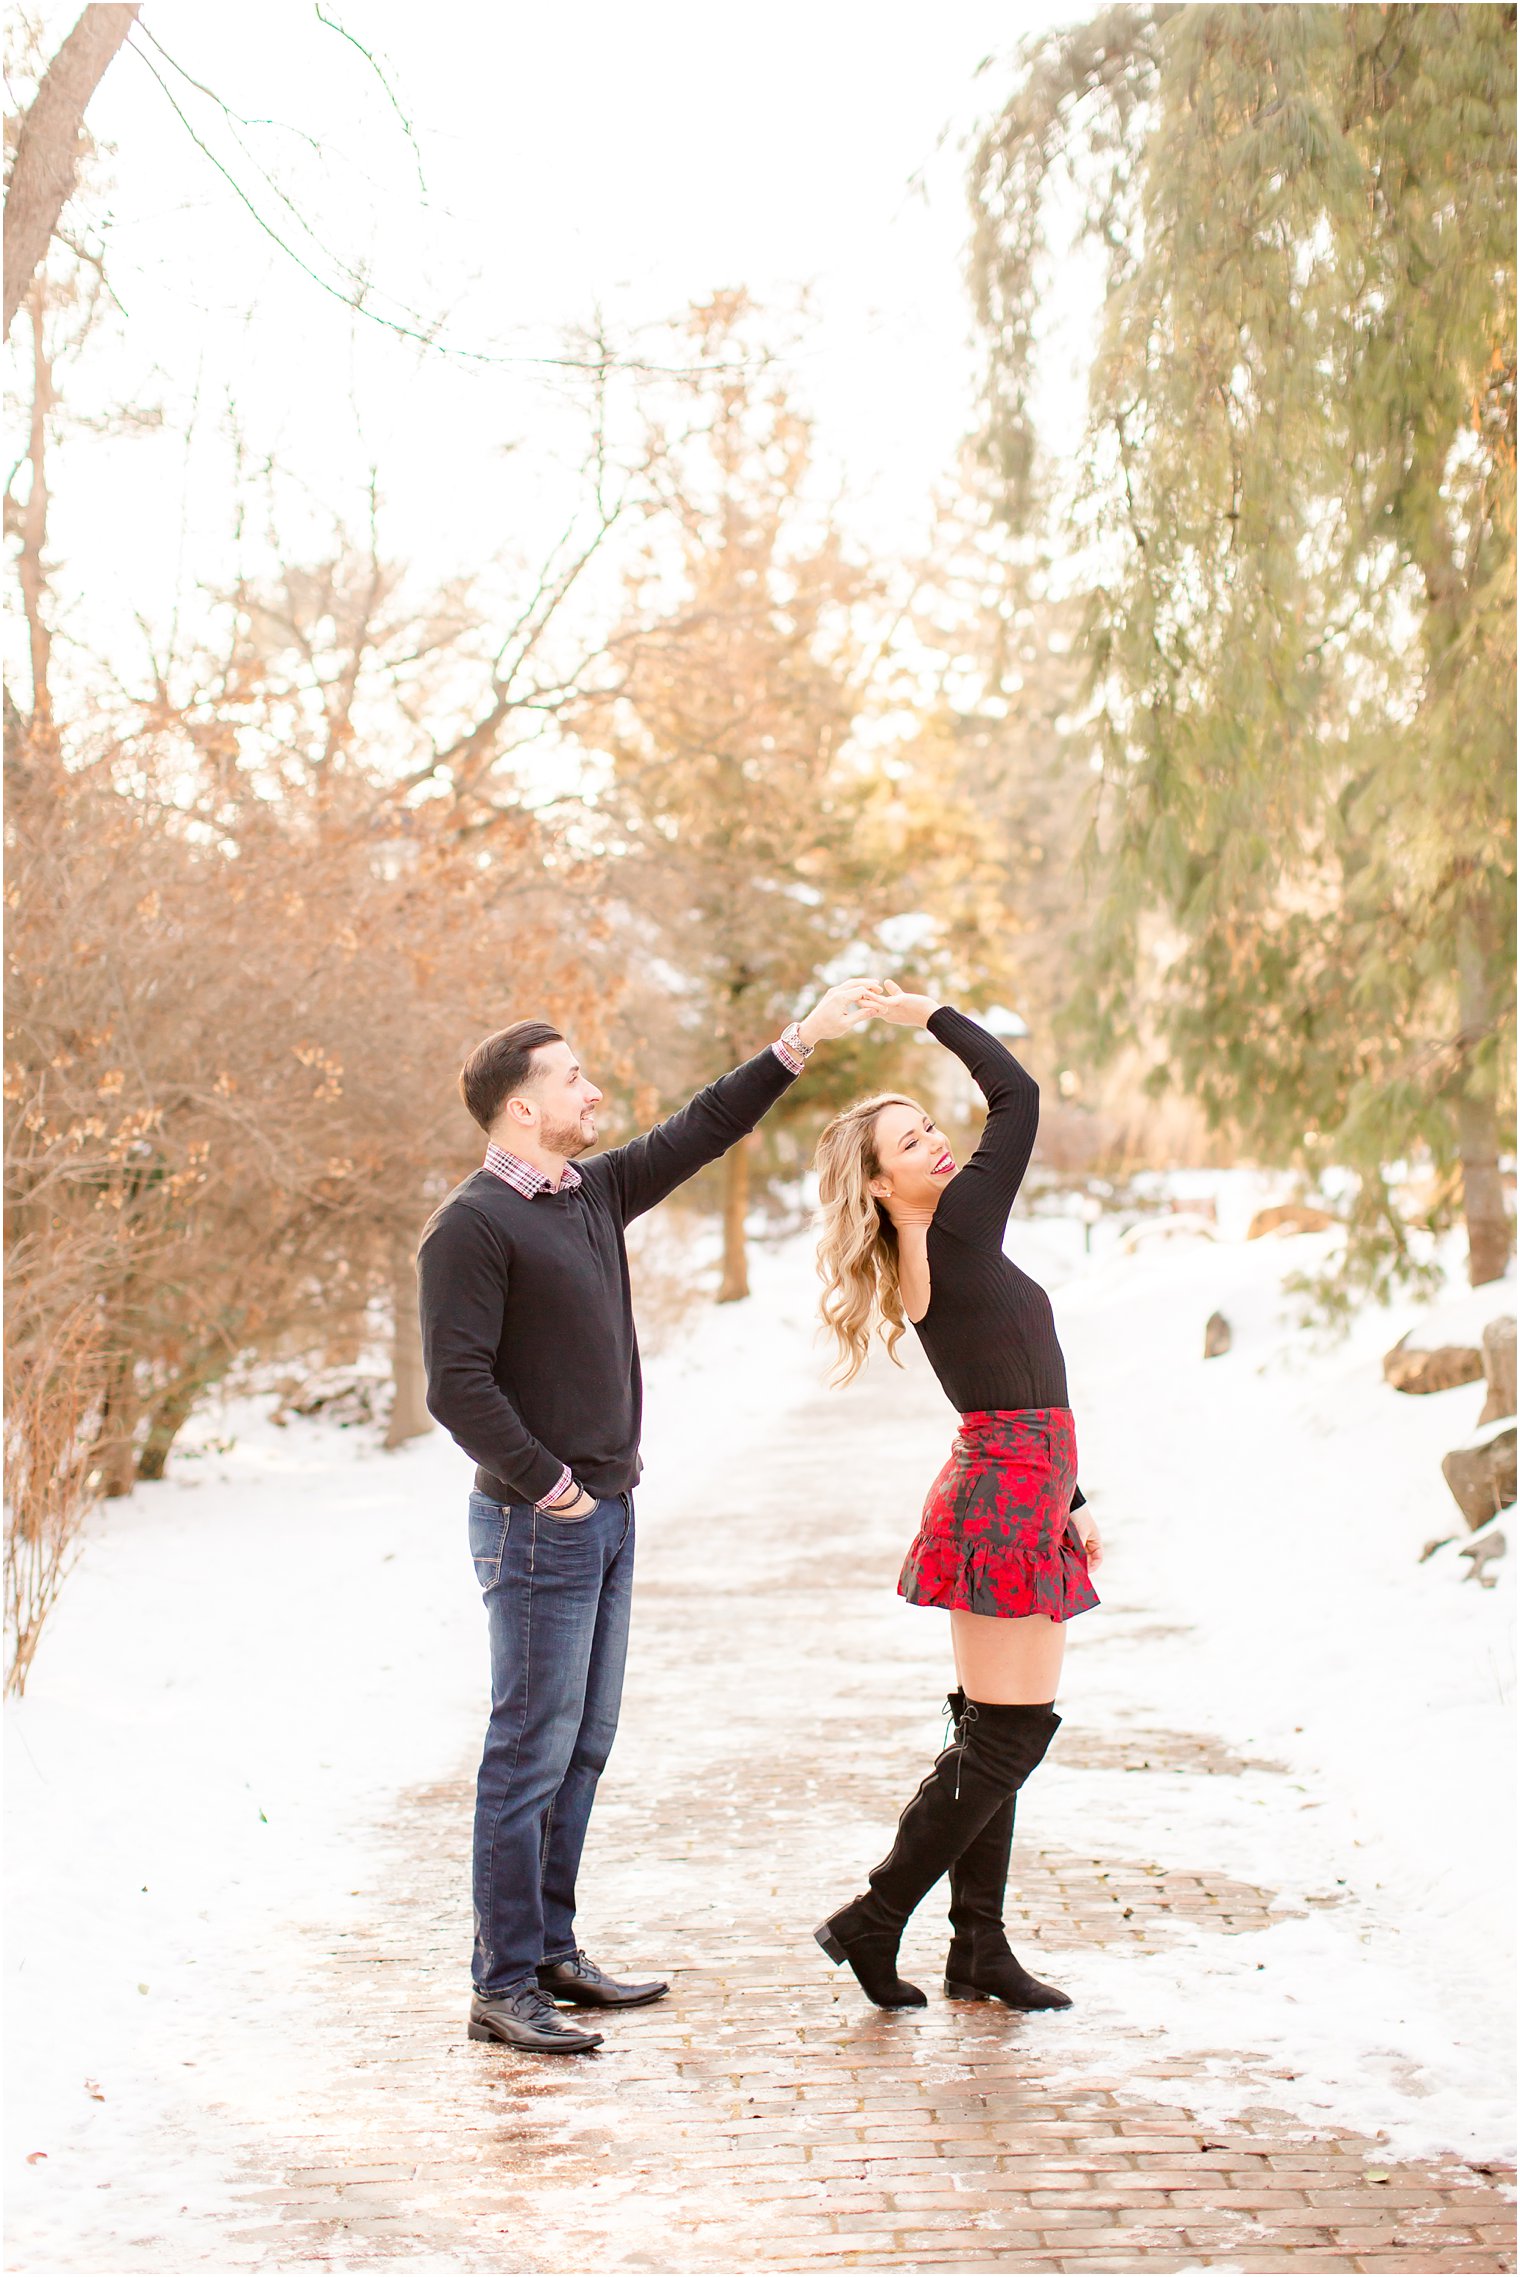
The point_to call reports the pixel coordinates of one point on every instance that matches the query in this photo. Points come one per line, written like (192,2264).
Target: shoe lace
(968,1717)
(535,2005)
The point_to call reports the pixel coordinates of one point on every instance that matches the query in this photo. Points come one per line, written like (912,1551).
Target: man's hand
(884,1000)
(836,1012)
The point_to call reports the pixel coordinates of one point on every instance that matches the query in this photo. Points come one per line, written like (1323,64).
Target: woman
(909,1237)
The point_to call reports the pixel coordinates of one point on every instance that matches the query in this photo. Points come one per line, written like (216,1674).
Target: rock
(1483,1553)
(1499,1369)
(1446,1345)
(1288,1217)
(338,1395)
(1412,1367)
(1482,1476)
(1216,1336)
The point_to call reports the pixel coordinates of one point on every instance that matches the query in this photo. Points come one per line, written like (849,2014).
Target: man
(533,1366)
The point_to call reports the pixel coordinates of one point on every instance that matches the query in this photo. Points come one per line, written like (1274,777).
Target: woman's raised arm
(976,1202)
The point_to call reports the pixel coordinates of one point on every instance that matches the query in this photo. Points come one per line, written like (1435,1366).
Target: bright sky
(630,159)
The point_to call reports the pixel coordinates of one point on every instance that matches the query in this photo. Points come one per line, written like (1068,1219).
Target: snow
(254,1657)
(259,1654)
(1279,1496)
(1460,1318)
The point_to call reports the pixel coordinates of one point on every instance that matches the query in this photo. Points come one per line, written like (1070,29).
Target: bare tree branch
(47,149)
(334,25)
(354,290)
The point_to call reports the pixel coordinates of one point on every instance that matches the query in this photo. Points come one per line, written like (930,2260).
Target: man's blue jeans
(557,1594)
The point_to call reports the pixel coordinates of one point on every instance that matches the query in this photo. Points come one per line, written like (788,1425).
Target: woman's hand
(884,1000)
(1092,1540)
(837,1011)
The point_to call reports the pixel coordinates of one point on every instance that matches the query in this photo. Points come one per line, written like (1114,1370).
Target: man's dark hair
(502,1065)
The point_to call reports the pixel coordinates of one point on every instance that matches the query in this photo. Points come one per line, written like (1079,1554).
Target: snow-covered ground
(1280,1496)
(259,1654)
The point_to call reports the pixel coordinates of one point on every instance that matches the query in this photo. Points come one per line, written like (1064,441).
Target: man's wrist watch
(792,1038)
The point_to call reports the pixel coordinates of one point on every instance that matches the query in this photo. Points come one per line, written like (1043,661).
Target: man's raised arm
(647,1169)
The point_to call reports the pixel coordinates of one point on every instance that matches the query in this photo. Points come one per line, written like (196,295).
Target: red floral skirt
(997,1534)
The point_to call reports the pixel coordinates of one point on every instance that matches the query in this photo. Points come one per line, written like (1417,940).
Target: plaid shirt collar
(524,1177)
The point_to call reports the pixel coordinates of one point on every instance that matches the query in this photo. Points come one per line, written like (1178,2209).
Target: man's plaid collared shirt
(525,1176)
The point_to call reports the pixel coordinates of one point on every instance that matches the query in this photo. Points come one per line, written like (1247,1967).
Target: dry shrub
(672,1260)
(54,1390)
(1128,1130)
(234,1024)
(231,1069)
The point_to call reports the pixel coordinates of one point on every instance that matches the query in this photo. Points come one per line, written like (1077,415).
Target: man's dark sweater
(527,1322)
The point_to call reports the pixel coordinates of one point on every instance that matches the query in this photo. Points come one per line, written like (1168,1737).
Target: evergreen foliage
(1296,517)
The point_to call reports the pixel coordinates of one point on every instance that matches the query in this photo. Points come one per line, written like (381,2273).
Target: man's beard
(567,1140)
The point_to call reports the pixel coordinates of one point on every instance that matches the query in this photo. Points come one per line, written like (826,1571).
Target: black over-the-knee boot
(981,1964)
(997,1749)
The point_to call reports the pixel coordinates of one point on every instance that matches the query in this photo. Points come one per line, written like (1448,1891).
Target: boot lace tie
(968,1717)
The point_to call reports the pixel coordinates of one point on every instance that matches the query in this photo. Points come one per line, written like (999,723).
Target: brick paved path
(765,2116)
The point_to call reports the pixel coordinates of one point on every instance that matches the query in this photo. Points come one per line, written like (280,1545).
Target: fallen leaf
(35,2158)
(93,2087)
(1376,2174)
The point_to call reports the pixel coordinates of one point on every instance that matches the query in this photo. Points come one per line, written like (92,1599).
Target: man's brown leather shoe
(578,1980)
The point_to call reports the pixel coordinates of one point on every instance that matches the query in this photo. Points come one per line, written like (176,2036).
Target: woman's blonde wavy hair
(857,1241)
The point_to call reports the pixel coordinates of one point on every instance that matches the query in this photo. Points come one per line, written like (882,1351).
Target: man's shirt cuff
(557,1488)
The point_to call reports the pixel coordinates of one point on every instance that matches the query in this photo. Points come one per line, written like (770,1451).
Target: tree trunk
(1488,1227)
(165,1423)
(47,148)
(1488,1230)
(116,1456)
(735,1283)
(409,1415)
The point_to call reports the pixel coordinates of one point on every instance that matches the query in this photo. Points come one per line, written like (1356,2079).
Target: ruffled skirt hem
(1001,1582)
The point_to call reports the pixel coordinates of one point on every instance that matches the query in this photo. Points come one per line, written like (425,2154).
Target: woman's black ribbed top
(989,1331)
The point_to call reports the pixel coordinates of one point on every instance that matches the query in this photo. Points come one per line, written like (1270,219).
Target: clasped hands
(850,1002)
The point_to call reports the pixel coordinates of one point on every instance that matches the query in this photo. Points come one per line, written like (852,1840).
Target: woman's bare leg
(1008,1663)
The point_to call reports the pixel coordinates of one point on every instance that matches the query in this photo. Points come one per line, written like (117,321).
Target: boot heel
(479,2032)
(831,1945)
(956,1991)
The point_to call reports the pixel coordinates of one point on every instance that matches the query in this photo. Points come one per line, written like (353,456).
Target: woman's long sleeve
(975,1205)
